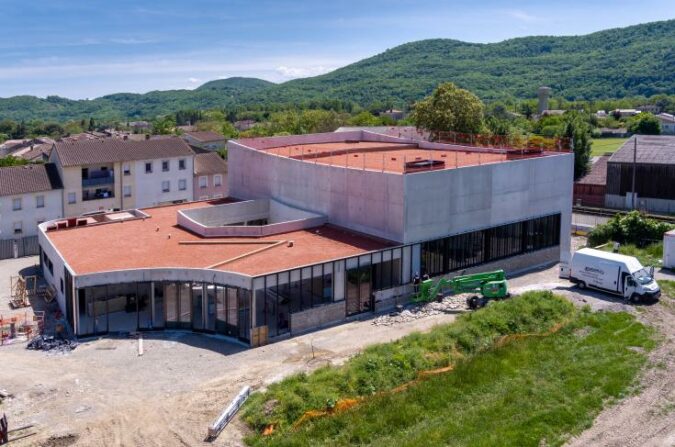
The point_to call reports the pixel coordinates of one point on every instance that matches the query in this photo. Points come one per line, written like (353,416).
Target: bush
(631,228)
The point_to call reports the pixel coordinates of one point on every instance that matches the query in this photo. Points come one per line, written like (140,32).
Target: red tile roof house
(210,176)
(205,140)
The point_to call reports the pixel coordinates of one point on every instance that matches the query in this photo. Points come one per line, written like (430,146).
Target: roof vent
(290,244)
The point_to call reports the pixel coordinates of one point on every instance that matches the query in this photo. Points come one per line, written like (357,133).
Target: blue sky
(89,48)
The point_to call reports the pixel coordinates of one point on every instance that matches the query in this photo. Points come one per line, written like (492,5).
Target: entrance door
(244,318)
(359,290)
(197,306)
(210,307)
(171,305)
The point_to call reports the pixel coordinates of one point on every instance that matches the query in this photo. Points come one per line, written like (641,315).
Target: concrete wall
(210,191)
(317,317)
(29,215)
(216,221)
(163,274)
(452,201)
(366,201)
(654,205)
(59,265)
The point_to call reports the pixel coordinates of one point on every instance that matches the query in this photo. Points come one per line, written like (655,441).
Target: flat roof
(393,157)
(158,242)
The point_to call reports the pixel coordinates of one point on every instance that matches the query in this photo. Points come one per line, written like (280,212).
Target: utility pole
(633,193)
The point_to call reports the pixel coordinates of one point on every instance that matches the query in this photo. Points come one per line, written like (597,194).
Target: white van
(614,273)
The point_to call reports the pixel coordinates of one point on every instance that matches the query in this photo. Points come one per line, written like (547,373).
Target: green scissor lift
(491,285)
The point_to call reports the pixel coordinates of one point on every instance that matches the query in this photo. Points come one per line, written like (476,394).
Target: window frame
(182,182)
(168,186)
(206,180)
(148,167)
(182,164)
(40,203)
(166,166)
(74,196)
(16,200)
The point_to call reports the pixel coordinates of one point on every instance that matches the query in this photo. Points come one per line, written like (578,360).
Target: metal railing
(98,181)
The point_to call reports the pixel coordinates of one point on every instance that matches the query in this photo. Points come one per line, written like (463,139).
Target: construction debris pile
(51,343)
(450,304)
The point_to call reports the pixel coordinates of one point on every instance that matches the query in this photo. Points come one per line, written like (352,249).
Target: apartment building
(29,195)
(210,176)
(109,174)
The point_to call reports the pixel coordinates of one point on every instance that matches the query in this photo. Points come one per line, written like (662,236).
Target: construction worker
(416,282)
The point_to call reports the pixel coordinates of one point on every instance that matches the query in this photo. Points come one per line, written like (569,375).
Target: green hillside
(632,61)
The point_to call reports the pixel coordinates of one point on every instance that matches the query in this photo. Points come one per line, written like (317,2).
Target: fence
(518,142)
(17,248)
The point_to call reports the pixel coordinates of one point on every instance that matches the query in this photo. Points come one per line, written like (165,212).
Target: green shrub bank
(385,366)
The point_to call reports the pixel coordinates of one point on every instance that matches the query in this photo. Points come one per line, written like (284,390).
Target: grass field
(603,145)
(649,255)
(541,386)
(668,288)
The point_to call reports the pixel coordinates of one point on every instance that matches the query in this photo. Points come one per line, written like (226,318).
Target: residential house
(393,114)
(243,125)
(650,108)
(667,123)
(114,173)
(624,113)
(29,195)
(210,176)
(206,140)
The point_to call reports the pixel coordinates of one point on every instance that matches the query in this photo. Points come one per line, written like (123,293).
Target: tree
(579,133)
(12,161)
(364,118)
(229,131)
(645,124)
(449,108)
(164,125)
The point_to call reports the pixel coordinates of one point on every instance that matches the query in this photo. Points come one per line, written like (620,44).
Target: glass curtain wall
(470,249)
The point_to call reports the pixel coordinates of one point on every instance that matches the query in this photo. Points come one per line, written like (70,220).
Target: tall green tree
(645,124)
(449,108)
(579,132)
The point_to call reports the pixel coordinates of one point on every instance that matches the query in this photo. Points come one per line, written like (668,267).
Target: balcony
(97,178)
(98,194)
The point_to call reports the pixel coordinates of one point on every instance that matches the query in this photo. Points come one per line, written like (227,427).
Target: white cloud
(522,16)
(302,72)
(194,80)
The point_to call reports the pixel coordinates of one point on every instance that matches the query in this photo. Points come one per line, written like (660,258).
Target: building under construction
(319,228)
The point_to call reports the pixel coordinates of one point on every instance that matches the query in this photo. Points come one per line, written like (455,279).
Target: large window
(477,247)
